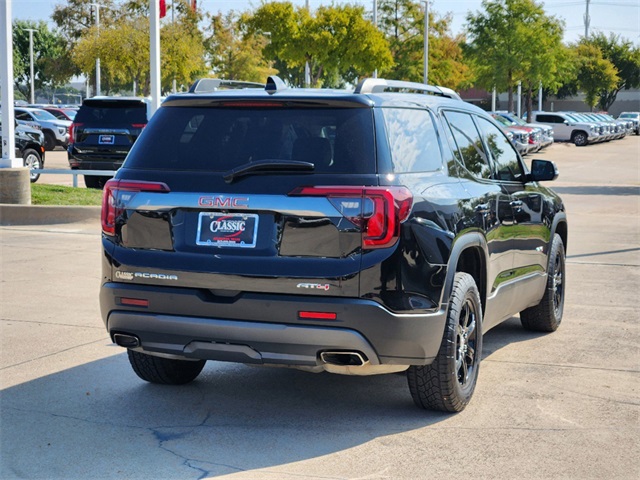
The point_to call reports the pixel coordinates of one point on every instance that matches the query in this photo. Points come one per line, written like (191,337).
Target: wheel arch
(560,227)
(469,254)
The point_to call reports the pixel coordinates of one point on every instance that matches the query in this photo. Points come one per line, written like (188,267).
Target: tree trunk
(529,102)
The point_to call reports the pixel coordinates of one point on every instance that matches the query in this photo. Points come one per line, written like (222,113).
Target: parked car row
(29,146)
(526,137)
(584,128)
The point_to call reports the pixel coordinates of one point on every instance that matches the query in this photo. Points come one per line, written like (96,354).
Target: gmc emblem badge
(223,202)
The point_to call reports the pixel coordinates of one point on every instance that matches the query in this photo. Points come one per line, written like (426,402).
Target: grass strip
(63,195)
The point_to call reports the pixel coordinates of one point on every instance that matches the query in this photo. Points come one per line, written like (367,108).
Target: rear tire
(165,371)
(95,181)
(448,383)
(547,315)
(33,161)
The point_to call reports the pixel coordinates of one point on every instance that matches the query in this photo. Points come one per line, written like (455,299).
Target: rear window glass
(115,112)
(413,140)
(335,140)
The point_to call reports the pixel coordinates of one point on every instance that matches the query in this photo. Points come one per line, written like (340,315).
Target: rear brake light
(117,193)
(378,211)
(72,131)
(253,104)
(138,125)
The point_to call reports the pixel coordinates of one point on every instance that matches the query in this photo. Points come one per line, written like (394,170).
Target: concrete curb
(46,214)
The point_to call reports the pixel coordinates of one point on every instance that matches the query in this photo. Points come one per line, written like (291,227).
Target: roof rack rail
(208,85)
(378,85)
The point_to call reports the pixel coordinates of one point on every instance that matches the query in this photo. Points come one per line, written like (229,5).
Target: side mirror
(543,170)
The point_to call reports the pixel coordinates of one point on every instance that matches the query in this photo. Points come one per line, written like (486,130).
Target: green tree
(234,54)
(337,41)
(595,73)
(512,41)
(51,62)
(402,22)
(625,57)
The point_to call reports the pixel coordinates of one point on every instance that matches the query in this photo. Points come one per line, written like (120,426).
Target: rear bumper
(266,328)
(94,161)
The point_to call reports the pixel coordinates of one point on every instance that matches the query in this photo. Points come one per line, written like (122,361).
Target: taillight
(138,125)
(72,131)
(378,211)
(117,193)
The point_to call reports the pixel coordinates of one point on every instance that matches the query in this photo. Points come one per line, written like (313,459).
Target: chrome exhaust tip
(344,359)
(126,341)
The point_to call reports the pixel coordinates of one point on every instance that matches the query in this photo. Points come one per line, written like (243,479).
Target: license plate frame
(231,230)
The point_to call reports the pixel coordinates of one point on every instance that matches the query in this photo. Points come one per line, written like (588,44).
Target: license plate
(224,230)
(106,139)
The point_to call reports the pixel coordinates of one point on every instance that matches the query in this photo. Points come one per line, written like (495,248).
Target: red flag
(163,8)
(194,5)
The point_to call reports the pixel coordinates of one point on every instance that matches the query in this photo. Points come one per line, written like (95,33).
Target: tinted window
(469,144)
(549,119)
(412,140)
(112,113)
(336,140)
(505,158)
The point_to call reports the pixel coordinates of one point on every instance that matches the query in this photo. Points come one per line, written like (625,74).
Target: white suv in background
(566,129)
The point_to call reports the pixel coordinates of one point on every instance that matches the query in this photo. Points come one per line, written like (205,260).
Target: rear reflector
(134,302)
(317,315)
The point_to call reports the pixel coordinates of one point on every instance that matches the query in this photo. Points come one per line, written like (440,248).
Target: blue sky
(618,16)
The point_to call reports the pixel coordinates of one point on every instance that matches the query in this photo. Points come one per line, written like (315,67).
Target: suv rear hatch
(107,128)
(251,196)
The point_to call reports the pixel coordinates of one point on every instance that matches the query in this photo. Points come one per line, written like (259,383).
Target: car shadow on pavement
(507,333)
(98,420)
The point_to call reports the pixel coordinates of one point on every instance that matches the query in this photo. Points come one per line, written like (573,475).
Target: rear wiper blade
(267,166)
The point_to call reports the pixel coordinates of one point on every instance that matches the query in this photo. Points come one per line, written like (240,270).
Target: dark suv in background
(30,147)
(356,232)
(102,133)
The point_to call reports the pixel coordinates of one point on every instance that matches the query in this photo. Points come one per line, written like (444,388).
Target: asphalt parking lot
(560,406)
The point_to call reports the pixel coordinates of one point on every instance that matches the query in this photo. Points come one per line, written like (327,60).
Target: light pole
(375,24)
(31,30)
(307,70)
(426,42)
(97,5)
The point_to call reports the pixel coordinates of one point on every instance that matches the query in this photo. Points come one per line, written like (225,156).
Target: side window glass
(412,140)
(469,144)
(504,156)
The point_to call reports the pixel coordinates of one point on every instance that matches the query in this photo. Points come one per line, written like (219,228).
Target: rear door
(182,218)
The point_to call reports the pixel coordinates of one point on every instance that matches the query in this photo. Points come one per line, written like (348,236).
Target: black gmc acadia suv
(358,232)
(102,133)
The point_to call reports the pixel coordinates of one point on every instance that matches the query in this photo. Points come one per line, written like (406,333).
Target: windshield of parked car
(70,113)
(503,121)
(42,115)
(629,115)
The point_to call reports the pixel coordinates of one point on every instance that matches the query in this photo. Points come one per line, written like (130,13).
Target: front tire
(165,371)
(448,383)
(33,161)
(580,139)
(547,315)
(49,141)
